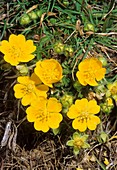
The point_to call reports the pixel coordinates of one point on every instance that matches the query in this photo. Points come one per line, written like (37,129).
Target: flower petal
(99,74)
(91,81)
(84,65)
(4,47)
(93,108)
(54,120)
(29,47)
(11,59)
(54,105)
(17,39)
(79,124)
(81,78)
(31,114)
(27,99)
(81,104)
(36,79)
(41,126)
(40,103)
(42,87)
(92,122)
(72,113)
(26,57)
(20,90)
(24,80)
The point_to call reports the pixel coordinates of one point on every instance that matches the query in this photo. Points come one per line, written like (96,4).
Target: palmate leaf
(65,81)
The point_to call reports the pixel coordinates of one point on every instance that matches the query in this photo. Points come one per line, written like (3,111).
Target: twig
(109,11)
(7,134)
(102,34)
(110,58)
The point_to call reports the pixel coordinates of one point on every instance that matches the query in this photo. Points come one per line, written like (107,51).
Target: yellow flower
(27,90)
(90,71)
(49,71)
(17,49)
(83,113)
(112,90)
(45,113)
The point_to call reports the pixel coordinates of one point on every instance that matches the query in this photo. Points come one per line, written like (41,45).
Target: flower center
(78,143)
(50,75)
(89,75)
(29,88)
(84,116)
(42,115)
(15,52)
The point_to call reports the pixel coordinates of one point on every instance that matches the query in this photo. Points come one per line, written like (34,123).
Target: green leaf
(70,143)
(104,136)
(56,131)
(76,151)
(84,137)
(86,145)
(76,135)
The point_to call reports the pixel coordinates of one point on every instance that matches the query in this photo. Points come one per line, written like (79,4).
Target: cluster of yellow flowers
(32,90)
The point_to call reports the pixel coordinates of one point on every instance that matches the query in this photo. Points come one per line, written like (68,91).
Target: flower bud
(89,27)
(107,106)
(58,47)
(100,89)
(22,69)
(33,15)
(105,109)
(112,90)
(67,101)
(68,51)
(103,60)
(109,102)
(25,19)
(66,2)
(39,13)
